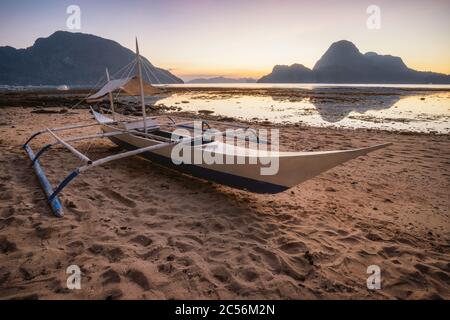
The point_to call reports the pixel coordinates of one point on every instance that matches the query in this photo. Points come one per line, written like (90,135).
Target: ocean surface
(308,85)
(417,108)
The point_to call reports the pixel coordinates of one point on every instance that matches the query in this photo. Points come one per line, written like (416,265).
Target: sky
(242,38)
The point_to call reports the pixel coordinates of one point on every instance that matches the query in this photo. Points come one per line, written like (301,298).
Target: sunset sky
(242,38)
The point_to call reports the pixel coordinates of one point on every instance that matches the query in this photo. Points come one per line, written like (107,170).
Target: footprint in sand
(166,268)
(11,221)
(43,233)
(4,275)
(373,237)
(269,257)
(138,278)
(142,240)
(221,273)
(8,212)
(389,252)
(119,198)
(110,276)
(76,247)
(112,254)
(184,261)
(113,294)
(7,246)
(249,275)
(293,247)
(6,195)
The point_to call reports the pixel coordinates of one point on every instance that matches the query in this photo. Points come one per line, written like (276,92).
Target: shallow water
(393,110)
(310,85)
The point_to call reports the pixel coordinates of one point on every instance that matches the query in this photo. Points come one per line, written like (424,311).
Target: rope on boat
(150,69)
(97,84)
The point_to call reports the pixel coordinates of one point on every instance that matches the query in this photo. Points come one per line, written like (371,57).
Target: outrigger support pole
(64,183)
(55,203)
(52,194)
(40,152)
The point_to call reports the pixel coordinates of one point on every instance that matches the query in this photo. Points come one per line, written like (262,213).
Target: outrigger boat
(154,139)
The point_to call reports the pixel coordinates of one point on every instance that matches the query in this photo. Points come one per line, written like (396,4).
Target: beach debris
(170,257)
(50,111)
(62,87)
(70,204)
(226,119)
(309,257)
(205,111)
(166,268)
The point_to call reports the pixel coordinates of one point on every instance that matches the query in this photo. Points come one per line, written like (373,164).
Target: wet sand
(139,231)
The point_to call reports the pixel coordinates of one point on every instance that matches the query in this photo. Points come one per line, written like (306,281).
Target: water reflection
(390,110)
(334,107)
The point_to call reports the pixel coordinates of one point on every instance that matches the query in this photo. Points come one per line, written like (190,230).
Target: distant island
(222,80)
(71,59)
(344,63)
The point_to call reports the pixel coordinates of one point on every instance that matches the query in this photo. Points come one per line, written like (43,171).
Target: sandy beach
(140,231)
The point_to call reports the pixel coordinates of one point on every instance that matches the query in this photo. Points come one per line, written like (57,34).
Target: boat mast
(141,85)
(111,101)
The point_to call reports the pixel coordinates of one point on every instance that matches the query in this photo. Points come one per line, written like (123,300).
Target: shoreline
(68,101)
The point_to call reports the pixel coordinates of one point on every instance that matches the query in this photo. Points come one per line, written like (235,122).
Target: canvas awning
(128,85)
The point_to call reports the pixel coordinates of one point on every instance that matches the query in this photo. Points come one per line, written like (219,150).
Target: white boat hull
(293,167)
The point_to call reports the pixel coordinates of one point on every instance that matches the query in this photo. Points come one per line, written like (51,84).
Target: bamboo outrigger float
(148,137)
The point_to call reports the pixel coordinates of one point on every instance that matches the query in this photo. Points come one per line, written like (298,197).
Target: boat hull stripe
(208,174)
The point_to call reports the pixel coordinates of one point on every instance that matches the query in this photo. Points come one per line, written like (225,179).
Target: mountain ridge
(344,63)
(70,58)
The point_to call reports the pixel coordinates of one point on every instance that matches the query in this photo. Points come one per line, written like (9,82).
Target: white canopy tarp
(129,85)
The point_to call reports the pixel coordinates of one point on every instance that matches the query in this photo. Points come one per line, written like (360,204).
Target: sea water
(417,108)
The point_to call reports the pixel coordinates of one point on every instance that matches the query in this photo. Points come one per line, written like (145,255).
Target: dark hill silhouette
(344,63)
(69,58)
(289,74)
